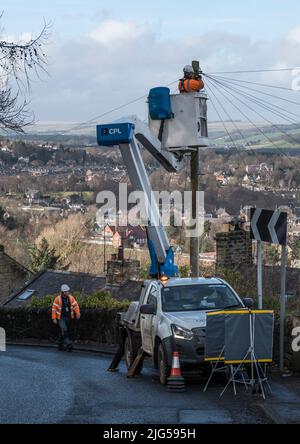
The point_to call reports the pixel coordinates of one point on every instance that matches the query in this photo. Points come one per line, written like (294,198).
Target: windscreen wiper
(232,306)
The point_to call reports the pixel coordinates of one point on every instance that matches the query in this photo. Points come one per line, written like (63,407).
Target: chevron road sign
(268,226)
(271,226)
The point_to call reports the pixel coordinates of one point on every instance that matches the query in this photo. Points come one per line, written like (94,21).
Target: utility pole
(195,241)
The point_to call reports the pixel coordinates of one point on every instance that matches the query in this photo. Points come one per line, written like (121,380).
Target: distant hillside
(225,135)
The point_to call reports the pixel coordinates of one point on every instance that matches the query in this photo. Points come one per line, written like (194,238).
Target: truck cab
(171,316)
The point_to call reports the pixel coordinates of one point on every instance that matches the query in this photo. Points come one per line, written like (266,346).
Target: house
(137,235)
(111,236)
(13,276)
(130,236)
(222,214)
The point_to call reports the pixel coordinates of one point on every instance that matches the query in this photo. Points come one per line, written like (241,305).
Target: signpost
(271,226)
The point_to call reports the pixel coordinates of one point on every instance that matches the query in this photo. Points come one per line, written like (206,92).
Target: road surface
(40,385)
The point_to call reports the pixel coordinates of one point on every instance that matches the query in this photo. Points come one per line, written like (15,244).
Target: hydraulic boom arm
(126,133)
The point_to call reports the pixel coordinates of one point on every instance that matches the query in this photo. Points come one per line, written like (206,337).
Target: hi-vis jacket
(57,307)
(190,85)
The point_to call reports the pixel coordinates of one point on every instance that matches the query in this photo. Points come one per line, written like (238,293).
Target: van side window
(152,298)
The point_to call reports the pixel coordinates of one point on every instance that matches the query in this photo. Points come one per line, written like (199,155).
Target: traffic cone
(175,382)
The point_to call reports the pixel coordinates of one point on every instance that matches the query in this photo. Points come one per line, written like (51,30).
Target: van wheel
(128,352)
(163,368)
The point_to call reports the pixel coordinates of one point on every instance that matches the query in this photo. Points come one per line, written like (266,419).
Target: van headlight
(181,332)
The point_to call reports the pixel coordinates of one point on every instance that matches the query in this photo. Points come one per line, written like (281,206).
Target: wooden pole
(195,241)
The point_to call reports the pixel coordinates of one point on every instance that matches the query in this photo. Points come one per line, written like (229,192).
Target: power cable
(94,119)
(228,116)
(260,84)
(259,114)
(253,124)
(262,103)
(256,90)
(254,71)
(265,101)
(238,151)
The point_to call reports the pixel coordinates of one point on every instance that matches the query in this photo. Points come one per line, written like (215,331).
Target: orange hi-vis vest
(57,307)
(190,85)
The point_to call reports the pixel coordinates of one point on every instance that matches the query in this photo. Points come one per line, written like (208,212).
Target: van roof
(176,282)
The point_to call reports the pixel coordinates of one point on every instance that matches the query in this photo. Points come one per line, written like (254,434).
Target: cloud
(294,35)
(118,61)
(116,32)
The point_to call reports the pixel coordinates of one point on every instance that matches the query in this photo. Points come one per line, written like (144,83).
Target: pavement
(88,346)
(42,385)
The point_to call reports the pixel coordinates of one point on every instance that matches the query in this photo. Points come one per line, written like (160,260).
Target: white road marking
(271,227)
(254,220)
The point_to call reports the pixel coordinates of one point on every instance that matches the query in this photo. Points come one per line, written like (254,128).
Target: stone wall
(95,325)
(121,271)
(101,326)
(233,249)
(13,276)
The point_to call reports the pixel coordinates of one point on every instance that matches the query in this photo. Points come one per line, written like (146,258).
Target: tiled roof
(13,276)
(49,282)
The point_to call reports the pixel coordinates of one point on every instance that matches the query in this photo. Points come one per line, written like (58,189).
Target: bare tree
(17,62)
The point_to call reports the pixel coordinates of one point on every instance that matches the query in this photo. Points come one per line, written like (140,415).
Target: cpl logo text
(111,131)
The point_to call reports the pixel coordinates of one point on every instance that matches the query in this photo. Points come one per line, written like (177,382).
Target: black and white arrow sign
(268,226)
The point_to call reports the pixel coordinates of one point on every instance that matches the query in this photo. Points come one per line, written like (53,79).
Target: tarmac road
(40,385)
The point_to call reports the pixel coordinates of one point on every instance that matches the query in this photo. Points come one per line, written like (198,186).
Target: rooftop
(49,282)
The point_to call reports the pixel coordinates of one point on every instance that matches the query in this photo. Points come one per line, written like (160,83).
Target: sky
(103,54)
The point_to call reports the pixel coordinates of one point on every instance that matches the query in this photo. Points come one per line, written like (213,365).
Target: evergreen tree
(43,257)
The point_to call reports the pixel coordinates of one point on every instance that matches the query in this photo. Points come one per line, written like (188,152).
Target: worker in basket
(191,81)
(64,309)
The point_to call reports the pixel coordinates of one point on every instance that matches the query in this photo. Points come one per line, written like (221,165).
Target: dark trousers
(64,336)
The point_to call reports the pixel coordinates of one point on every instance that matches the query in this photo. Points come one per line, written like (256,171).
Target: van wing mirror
(248,302)
(148,309)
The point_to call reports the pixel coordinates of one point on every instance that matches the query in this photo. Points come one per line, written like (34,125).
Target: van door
(147,321)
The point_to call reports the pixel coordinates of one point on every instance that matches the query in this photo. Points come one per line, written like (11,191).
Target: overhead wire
(256,90)
(93,119)
(255,71)
(217,86)
(96,118)
(238,151)
(228,116)
(259,84)
(250,121)
(263,103)
(259,114)
(243,88)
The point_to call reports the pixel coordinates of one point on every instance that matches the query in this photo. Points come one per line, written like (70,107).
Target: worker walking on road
(64,309)
(191,81)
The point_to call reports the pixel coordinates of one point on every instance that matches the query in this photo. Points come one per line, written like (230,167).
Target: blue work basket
(160,103)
